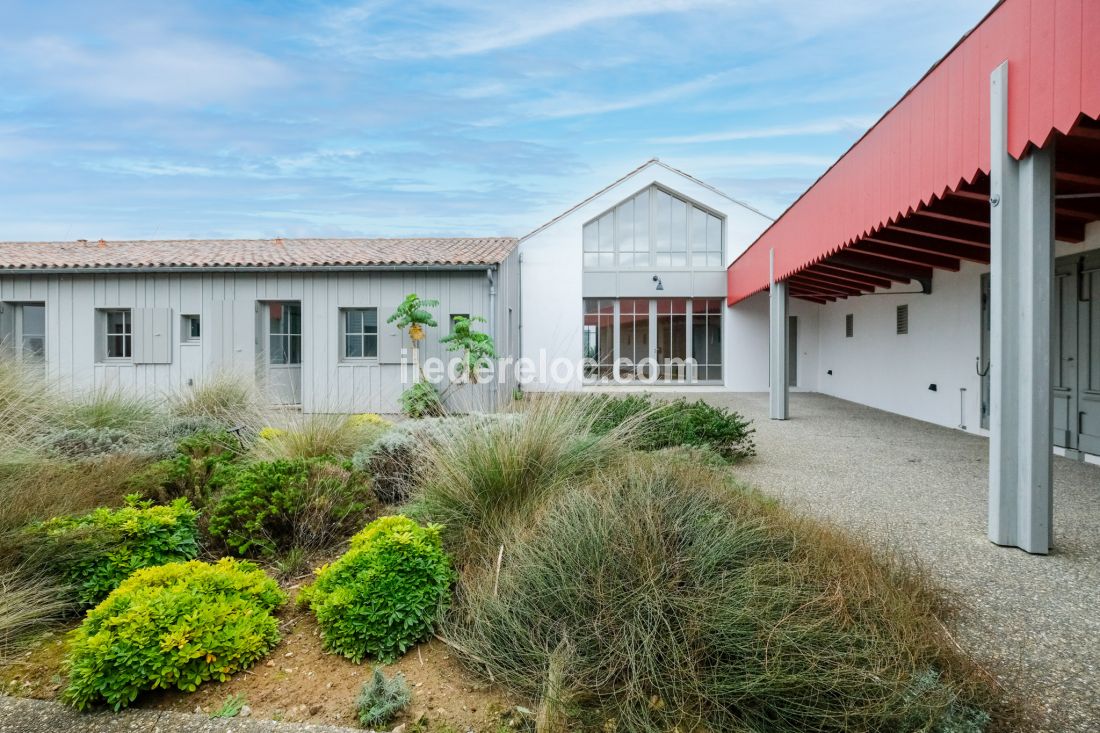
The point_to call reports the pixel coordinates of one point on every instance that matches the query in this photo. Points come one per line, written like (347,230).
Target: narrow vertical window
(849,325)
(118,333)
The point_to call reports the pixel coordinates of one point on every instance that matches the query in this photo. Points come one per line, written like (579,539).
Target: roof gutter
(200,269)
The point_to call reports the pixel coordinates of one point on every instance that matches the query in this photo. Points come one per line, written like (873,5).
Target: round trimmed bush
(385,593)
(173,626)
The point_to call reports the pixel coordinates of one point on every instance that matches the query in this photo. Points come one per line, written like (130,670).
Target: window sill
(353,362)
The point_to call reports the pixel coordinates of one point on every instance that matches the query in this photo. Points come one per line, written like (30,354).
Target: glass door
(283,345)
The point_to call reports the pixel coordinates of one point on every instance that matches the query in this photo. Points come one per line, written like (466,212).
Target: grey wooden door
(1088,357)
(282,344)
(1064,357)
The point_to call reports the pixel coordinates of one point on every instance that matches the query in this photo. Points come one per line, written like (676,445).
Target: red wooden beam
(908,256)
(813,275)
(809,285)
(967,252)
(945,230)
(882,279)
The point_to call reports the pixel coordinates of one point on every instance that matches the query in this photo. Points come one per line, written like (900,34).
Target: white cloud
(486,27)
(572,105)
(161,69)
(821,127)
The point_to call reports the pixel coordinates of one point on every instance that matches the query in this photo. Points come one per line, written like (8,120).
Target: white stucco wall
(879,368)
(552,278)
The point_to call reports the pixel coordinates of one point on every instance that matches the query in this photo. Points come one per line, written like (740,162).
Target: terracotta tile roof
(288,253)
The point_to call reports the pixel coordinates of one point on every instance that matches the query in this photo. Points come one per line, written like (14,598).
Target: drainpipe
(491,275)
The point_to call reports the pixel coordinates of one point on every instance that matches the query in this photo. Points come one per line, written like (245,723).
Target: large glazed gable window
(654,228)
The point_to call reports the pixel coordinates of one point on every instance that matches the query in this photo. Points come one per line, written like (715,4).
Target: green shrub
(658,425)
(422,399)
(382,698)
(397,458)
(174,626)
(269,507)
(659,598)
(385,593)
(202,464)
(98,550)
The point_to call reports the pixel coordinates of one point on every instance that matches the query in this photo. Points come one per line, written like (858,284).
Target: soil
(299,682)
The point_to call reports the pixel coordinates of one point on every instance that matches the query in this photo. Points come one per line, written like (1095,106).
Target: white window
(654,228)
(118,333)
(190,329)
(360,327)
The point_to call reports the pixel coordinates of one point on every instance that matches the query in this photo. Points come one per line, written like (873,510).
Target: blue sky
(230,118)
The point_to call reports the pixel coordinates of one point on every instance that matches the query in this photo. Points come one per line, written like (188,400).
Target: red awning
(936,139)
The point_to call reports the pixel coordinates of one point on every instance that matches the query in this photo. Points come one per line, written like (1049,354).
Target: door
(792,351)
(982,364)
(282,344)
(1088,356)
(1063,344)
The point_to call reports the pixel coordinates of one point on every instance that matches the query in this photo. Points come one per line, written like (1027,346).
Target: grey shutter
(152,335)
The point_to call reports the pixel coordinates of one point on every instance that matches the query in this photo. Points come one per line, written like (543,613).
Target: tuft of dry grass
(28,603)
(317,435)
(229,399)
(656,596)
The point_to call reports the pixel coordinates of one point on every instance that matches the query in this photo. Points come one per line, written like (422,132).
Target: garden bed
(299,682)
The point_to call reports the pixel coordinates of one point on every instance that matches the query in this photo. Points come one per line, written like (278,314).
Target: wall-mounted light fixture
(660,285)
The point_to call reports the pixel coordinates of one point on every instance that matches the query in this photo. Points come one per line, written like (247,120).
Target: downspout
(490,274)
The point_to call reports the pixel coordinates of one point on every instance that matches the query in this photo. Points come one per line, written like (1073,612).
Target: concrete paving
(921,489)
(19,715)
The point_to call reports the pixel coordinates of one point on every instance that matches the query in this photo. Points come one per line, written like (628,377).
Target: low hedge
(385,593)
(95,552)
(659,425)
(173,626)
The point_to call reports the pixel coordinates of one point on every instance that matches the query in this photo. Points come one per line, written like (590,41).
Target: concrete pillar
(779,341)
(1021,282)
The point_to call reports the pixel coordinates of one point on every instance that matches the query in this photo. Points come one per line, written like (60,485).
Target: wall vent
(849,325)
(903,319)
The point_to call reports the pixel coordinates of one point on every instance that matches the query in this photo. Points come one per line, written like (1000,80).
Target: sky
(229,118)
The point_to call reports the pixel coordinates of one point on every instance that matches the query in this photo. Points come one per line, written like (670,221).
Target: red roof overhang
(908,196)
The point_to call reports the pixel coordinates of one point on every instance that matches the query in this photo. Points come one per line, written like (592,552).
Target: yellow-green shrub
(385,593)
(177,625)
(95,552)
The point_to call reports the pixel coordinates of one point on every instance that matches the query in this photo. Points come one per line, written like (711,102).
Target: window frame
(127,334)
(362,335)
(186,321)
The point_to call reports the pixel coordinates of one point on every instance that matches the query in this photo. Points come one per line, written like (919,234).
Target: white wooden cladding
(152,335)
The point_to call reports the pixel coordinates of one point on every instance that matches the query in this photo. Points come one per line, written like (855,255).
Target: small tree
(413,314)
(477,347)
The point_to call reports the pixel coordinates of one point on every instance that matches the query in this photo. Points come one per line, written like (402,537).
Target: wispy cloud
(565,105)
(466,29)
(162,70)
(822,127)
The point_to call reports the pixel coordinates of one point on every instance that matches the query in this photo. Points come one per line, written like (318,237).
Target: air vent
(903,319)
(849,325)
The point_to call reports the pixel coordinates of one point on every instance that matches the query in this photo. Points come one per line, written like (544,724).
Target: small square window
(360,338)
(118,333)
(190,329)
(849,325)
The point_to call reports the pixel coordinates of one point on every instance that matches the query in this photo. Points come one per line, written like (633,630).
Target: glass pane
(641,229)
(370,320)
(294,350)
(370,346)
(624,227)
(195,329)
(591,259)
(353,321)
(714,234)
(277,351)
(662,219)
(678,233)
(353,347)
(34,320)
(591,232)
(294,313)
(607,232)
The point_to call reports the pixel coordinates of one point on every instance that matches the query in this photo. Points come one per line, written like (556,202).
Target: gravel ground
(21,715)
(922,489)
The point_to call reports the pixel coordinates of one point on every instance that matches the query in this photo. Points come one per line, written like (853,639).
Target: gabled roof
(648,164)
(258,253)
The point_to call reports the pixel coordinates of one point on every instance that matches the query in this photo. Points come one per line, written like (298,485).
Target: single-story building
(306,317)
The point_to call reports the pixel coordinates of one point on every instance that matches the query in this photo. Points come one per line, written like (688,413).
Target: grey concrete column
(1021,279)
(778,397)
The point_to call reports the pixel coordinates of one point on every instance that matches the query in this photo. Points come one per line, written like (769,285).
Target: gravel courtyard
(922,489)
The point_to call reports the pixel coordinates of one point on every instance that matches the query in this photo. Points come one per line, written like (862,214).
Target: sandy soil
(299,682)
